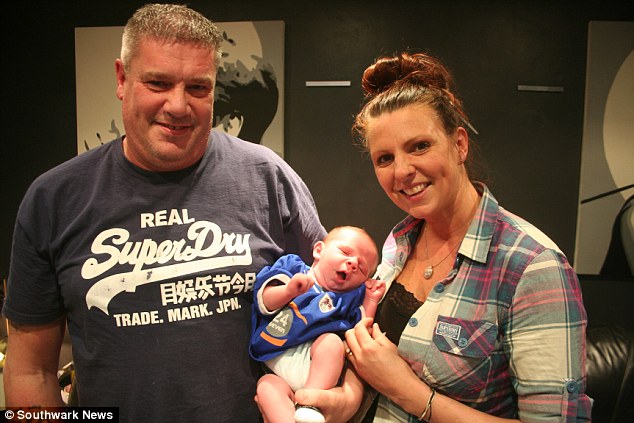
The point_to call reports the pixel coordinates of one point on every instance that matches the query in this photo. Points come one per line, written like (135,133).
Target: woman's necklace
(429,270)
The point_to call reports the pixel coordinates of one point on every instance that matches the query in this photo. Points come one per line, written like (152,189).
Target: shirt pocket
(460,363)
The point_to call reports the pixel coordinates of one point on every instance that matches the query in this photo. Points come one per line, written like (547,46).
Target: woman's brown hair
(392,83)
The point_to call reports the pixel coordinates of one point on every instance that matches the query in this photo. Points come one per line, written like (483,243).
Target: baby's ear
(317,249)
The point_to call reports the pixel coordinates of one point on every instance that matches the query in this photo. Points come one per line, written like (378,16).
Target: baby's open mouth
(342,275)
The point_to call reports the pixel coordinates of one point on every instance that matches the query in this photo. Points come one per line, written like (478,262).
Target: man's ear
(120,72)
(317,249)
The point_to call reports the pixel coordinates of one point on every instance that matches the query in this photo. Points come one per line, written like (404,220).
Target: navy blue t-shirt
(155,272)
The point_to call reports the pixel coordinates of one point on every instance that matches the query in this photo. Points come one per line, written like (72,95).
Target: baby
(300,313)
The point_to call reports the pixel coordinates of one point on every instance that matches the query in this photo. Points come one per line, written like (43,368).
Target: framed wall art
(249,93)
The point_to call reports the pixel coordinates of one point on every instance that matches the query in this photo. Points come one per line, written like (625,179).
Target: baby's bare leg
(327,362)
(275,399)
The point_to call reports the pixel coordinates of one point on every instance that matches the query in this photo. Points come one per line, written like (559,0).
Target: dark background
(531,142)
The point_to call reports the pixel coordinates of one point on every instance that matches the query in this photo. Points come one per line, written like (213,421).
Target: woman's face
(418,165)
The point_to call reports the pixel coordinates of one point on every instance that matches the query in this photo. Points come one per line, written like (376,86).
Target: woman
(483,315)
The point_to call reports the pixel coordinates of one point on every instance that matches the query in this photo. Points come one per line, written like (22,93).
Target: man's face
(167,97)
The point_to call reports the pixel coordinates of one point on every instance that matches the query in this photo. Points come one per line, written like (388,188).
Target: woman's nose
(403,168)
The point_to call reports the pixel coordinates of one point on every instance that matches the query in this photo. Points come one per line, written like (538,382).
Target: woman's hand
(374,356)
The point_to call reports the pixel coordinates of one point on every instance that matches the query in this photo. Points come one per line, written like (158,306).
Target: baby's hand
(299,284)
(375,288)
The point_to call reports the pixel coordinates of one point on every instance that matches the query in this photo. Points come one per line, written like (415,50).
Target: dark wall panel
(531,141)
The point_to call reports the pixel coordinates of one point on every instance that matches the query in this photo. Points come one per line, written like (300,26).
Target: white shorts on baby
(293,365)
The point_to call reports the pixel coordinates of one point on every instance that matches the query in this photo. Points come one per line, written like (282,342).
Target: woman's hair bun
(405,68)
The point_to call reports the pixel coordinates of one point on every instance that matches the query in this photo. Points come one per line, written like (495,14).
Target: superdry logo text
(170,264)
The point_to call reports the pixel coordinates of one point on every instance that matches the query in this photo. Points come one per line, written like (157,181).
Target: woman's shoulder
(508,228)
(524,228)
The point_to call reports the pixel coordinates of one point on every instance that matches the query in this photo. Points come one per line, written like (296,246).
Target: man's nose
(177,103)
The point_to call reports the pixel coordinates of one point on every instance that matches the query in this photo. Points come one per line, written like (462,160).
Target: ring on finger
(349,352)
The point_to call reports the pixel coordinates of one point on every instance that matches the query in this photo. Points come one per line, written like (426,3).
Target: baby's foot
(307,414)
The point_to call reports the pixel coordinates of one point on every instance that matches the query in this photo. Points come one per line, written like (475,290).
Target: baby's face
(344,260)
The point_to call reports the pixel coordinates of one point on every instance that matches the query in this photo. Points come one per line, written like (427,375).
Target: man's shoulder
(84,162)
(74,172)
(230,146)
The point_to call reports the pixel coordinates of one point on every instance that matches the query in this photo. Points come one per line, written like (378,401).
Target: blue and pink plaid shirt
(505,332)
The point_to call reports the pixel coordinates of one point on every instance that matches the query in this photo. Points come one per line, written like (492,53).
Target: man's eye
(199,90)
(157,85)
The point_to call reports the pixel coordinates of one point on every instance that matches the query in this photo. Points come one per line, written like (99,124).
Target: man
(149,245)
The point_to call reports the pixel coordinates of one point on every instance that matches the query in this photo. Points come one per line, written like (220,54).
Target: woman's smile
(415,189)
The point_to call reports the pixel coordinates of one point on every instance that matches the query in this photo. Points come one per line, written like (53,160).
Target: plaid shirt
(504,333)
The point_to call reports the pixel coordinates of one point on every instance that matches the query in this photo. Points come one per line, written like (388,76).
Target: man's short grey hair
(171,23)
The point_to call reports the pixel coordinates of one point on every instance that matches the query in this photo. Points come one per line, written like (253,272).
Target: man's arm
(30,369)
(338,404)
